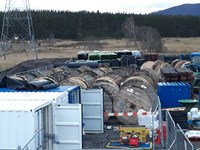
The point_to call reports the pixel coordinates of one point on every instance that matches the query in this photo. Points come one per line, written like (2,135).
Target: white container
(21,123)
(27,112)
(55,97)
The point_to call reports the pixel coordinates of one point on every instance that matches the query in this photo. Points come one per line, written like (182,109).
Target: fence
(175,137)
(170,131)
(157,111)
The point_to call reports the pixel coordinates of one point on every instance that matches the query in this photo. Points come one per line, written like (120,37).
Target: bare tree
(150,39)
(129,29)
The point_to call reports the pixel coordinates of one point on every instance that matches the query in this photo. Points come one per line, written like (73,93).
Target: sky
(113,6)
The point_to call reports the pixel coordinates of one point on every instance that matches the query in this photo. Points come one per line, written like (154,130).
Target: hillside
(185,9)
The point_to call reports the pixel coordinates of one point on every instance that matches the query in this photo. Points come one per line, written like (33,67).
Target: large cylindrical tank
(149,75)
(158,66)
(173,63)
(134,94)
(124,72)
(148,64)
(74,81)
(60,73)
(181,63)
(84,80)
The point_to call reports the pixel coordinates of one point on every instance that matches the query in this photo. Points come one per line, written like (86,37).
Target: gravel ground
(99,141)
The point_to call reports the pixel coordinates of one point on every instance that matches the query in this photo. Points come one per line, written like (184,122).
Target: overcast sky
(126,6)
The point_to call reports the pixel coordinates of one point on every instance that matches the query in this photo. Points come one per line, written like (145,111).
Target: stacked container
(171,92)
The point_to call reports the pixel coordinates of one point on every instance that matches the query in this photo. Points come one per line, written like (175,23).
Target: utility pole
(17,29)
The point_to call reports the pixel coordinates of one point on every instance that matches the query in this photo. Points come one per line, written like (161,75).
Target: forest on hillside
(83,24)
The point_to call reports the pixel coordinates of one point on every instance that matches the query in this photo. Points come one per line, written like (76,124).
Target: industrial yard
(130,84)
(93,80)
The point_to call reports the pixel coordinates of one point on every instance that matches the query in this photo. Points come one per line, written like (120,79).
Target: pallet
(171,74)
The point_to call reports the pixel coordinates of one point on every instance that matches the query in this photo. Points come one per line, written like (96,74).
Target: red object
(133,141)
(164,129)
(158,139)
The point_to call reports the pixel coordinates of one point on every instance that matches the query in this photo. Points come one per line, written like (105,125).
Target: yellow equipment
(142,132)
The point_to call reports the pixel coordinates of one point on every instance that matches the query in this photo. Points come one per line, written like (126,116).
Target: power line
(17,29)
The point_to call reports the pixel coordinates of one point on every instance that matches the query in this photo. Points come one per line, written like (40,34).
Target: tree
(129,29)
(150,39)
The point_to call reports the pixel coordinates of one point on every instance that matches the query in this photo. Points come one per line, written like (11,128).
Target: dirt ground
(68,48)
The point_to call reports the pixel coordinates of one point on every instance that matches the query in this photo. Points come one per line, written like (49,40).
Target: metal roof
(30,95)
(58,89)
(173,84)
(14,105)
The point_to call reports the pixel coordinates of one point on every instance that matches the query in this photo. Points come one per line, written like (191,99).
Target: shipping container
(92,103)
(55,97)
(68,127)
(171,92)
(72,92)
(94,56)
(22,124)
(44,127)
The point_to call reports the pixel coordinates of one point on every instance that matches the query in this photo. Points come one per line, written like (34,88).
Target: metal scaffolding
(17,29)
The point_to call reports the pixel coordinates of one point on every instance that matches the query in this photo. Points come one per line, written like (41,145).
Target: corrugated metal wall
(171,92)
(92,100)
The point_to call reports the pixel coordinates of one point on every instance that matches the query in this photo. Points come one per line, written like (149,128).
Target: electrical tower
(17,29)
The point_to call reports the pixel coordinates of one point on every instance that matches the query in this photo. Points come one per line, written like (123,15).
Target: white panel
(20,121)
(68,127)
(16,129)
(57,97)
(92,101)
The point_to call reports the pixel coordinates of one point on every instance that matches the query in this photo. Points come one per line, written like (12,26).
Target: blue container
(193,54)
(73,92)
(190,122)
(197,123)
(171,92)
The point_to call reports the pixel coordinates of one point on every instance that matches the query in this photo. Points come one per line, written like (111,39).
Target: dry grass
(66,49)
(177,45)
